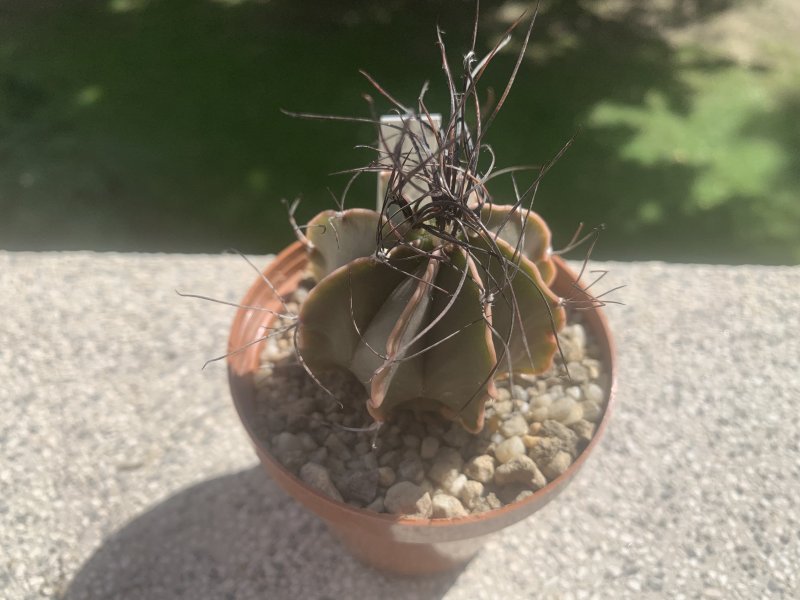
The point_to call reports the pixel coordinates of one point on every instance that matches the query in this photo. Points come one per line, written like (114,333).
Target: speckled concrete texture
(126,474)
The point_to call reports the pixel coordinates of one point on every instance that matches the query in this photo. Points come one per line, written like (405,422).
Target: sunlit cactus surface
(433,297)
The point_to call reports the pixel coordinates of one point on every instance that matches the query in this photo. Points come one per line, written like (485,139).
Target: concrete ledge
(125,472)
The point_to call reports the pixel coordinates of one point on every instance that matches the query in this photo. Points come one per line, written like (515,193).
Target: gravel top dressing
(420,464)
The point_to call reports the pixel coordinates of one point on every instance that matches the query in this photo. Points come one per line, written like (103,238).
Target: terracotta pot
(390,543)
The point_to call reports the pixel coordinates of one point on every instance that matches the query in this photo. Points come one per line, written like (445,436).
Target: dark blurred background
(155,126)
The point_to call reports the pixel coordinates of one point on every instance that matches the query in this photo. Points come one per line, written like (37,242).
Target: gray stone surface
(125,473)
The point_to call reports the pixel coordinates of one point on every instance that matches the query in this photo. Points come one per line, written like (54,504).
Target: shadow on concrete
(237,536)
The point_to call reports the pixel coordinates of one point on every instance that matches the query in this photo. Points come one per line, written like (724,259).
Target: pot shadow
(237,536)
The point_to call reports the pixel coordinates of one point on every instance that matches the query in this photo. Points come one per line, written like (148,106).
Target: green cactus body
(426,323)
(525,231)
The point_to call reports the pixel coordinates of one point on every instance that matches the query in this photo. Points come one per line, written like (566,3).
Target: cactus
(430,299)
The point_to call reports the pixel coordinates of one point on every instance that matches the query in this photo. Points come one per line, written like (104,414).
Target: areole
(388,542)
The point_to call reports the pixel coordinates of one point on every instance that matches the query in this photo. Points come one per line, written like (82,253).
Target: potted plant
(422,375)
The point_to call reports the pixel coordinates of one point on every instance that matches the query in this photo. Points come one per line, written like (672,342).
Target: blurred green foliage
(155,125)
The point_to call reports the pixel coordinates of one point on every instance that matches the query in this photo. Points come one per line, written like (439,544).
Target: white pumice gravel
(423,465)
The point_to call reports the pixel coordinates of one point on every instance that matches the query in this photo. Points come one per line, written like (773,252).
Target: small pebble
(427,486)
(454,486)
(493,422)
(335,465)
(560,408)
(593,366)
(539,414)
(480,445)
(446,466)
(571,350)
(522,495)
(292,459)
(411,441)
(575,414)
(577,372)
(429,447)
(370,461)
(480,468)
(409,453)
(446,506)
(515,425)
(583,429)
(509,448)
(386,476)
(560,463)
(519,393)
(544,451)
(392,439)
(480,506)
(389,458)
(406,498)
(360,486)
(557,430)
(433,424)
(471,493)
(520,469)
(335,445)
(286,442)
(307,441)
(503,407)
(377,505)
(593,393)
(542,400)
(354,464)
(411,469)
(457,436)
(530,440)
(591,411)
(352,420)
(318,478)
(574,337)
(319,456)
(577,333)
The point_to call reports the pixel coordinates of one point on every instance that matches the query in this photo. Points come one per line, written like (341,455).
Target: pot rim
(293,259)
